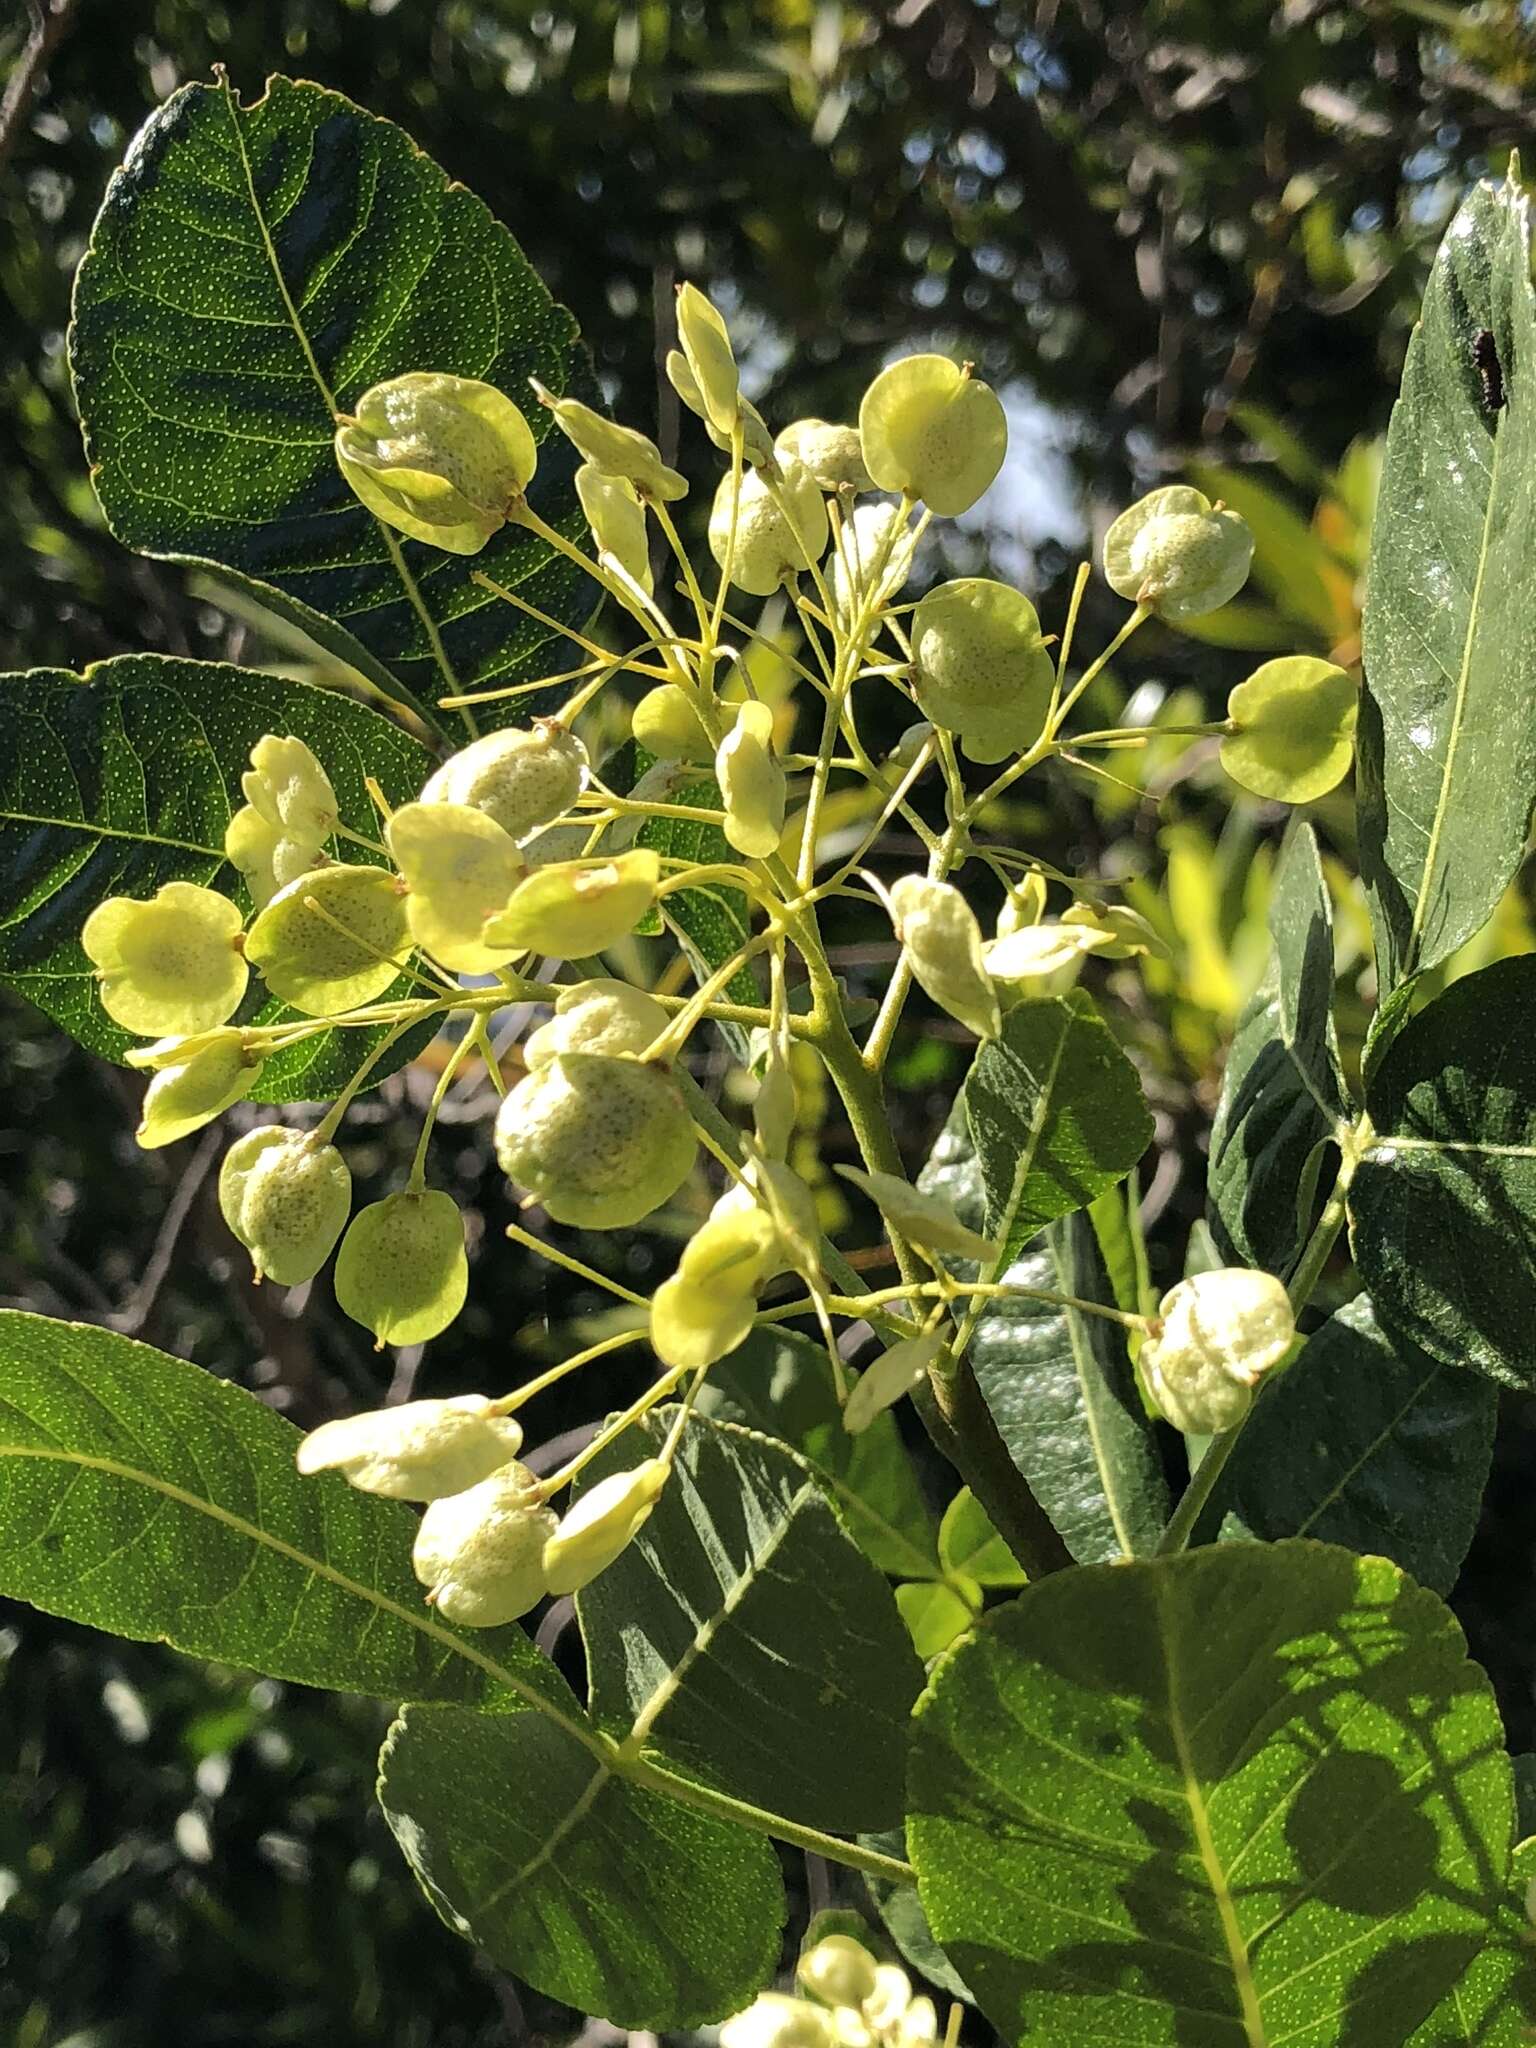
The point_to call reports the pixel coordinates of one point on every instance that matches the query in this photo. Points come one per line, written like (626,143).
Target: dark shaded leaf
(780,1383)
(1283,1094)
(742,1639)
(1443,1206)
(1056,1116)
(1059,1381)
(1371,1446)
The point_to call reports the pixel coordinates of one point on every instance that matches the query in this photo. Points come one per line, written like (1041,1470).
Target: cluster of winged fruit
(518,868)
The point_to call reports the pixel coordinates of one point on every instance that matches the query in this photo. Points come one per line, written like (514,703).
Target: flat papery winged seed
(1121,932)
(263,855)
(667,724)
(894,1373)
(420,1450)
(1039,961)
(521,778)
(933,431)
(980,666)
(168,965)
(604,1521)
(286,1195)
(752,784)
(775,1109)
(440,458)
(774,2020)
(1294,734)
(695,1322)
(186,1094)
(576,907)
(289,813)
(480,1553)
(839,1971)
(767,530)
(1177,554)
(331,940)
(617,451)
(942,941)
(833,454)
(600,1142)
(871,559)
(597,1016)
(288,787)
(707,349)
(616,515)
(1024,904)
(402,1271)
(757,442)
(922,1219)
(459,867)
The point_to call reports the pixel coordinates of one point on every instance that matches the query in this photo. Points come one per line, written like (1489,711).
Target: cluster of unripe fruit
(598,1129)
(844,1999)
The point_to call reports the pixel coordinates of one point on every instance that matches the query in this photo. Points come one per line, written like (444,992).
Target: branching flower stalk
(605,1125)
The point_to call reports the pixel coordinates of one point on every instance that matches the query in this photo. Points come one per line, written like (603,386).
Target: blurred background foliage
(1186,238)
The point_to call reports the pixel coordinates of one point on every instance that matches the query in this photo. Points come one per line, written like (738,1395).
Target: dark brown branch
(49,26)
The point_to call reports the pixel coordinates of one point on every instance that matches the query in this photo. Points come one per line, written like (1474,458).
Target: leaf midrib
(89,825)
(1463,682)
(1205,1842)
(425,1625)
(666,1691)
(390,539)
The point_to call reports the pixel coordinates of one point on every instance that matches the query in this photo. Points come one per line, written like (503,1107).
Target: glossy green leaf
(901,1910)
(1056,1116)
(1447,741)
(936,1613)
(1524,1767)
(594,1890)
(1059,1381)
(254,269)
(1493,2004)
(1250,1797)
(1443,1206)
(780,1383)
(969,1543)
(141,1495)
(1368,1445)
(1283,1093)
(119,780)
(742,1640)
